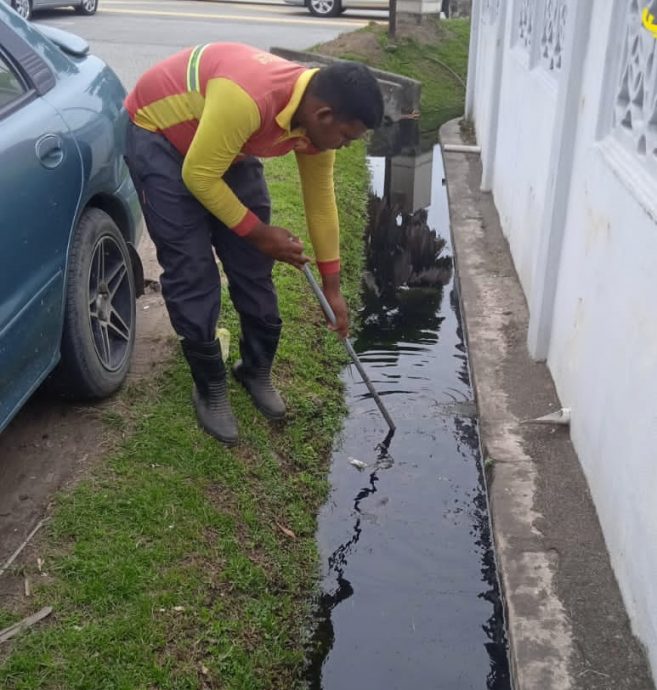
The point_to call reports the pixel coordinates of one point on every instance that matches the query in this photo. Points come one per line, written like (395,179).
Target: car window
(11,85)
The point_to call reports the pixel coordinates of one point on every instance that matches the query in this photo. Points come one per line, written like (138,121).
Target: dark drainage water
(410,596)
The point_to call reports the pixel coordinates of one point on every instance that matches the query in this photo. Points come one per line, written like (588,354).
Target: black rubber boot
(210,394)
(258,348)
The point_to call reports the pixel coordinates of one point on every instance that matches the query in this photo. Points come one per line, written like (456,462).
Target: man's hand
(278,243)
(331,289)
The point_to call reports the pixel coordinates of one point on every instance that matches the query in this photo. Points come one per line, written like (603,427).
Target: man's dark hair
(352,92)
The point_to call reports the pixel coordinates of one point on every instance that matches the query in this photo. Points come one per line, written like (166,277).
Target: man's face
(325,131)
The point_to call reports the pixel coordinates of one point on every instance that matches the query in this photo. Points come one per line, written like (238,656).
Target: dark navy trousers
(187,237)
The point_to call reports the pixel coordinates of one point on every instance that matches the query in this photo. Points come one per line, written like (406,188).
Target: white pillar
(473,52)
(548,257)
(488,155)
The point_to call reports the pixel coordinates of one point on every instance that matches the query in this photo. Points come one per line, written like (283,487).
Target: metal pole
(392,19)
(326,307)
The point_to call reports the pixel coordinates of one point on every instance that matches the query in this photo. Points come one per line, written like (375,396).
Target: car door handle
(49,150)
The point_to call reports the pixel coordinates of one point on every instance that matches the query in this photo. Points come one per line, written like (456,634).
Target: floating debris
(358,464)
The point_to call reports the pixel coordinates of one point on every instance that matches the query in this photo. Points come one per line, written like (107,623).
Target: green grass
(434,64)
(166,566)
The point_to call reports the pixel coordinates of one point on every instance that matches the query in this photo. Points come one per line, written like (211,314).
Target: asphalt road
(131,35)
(49,443)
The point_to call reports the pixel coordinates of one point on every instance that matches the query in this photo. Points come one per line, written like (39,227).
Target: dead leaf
(287,532)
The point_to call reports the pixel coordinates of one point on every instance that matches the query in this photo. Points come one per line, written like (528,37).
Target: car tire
(325,8)
(100,311)
(23,7)
(87,7)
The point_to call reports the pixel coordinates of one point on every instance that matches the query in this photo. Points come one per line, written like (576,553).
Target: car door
(40,183)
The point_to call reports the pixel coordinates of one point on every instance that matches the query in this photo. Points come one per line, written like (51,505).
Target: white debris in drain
(358,464)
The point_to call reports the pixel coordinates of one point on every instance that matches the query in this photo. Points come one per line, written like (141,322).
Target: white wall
(520,173)
(573,171)
(488,72)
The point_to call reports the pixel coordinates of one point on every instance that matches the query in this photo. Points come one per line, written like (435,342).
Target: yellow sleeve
(316,173)
(230,116)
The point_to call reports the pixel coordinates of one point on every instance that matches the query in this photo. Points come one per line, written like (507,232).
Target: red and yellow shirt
(219,101)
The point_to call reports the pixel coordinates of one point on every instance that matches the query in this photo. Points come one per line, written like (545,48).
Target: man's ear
(324,115)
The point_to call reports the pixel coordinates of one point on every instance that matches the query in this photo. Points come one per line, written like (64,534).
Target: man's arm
(316,173)
(230,116)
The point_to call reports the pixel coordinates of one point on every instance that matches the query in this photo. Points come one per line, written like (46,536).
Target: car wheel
(23,7)
(87,7)
(99,320)
(325,8)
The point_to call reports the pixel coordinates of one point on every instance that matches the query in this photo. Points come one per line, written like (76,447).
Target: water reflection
(410,597)
(402,251)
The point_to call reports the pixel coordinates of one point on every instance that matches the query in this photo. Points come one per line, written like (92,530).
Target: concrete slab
(567,626)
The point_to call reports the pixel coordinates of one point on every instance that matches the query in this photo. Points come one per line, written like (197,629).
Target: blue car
(69,219)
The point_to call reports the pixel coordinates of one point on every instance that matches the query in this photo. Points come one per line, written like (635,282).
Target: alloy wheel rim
(89,5)
(23,8)
(322,6)
(110,304)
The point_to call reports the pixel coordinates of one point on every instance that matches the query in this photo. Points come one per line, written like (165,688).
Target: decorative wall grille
(525,23)
(635,103)
(553,34)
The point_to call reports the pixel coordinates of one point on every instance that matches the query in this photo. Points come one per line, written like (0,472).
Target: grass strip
(169,566)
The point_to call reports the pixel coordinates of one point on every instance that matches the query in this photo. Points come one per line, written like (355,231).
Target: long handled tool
(348,346)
